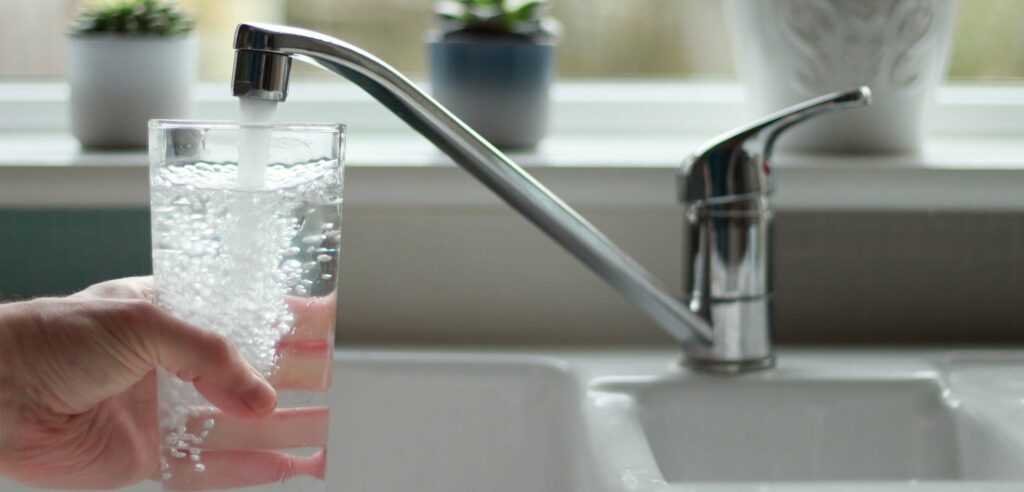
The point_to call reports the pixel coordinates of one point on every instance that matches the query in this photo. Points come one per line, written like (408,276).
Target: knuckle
(103,289)
(219,348)
(135,324)
(138,312)
(124,288)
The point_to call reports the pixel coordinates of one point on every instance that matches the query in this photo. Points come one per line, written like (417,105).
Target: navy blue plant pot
(499,86)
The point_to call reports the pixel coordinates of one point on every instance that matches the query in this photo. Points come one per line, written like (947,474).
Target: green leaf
(143,17)
(523,17)
(529,10)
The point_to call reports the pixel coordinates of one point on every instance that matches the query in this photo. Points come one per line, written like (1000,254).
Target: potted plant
(491,63)
(128,61)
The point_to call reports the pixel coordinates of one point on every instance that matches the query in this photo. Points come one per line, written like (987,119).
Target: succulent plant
(131,17)
(527,18)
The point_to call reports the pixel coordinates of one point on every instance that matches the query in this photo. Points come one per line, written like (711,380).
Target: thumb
(210,362)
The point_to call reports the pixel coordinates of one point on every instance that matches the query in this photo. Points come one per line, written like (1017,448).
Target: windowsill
(407,149)
(613,144)
(48,169)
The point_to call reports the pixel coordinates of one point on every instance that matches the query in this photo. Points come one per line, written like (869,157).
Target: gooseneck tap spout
(261,71)
(262,61)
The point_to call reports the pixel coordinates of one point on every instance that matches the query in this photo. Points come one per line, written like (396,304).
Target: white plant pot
(118,83)
(787,51)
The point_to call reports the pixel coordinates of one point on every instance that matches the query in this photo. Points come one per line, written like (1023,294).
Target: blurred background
(602,38)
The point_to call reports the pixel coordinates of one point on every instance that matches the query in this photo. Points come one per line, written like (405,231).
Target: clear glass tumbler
(253,257)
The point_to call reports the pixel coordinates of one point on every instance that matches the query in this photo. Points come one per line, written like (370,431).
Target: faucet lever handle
(772,125)
(735,164)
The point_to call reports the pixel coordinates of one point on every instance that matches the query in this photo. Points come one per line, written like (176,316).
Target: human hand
(78,391)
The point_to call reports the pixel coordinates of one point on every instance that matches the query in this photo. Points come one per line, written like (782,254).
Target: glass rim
(162,124)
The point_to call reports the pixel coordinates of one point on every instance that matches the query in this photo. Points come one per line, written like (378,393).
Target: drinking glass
(249,252)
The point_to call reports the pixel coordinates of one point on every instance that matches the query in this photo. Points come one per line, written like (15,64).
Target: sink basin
(436,421)
(452,422)
(703,430)
(814,419)
(632,420)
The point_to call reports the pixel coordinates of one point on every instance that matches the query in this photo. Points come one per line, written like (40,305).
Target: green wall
(51,252)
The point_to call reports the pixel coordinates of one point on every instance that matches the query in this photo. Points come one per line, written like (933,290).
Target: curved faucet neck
(482,160)
(262,62)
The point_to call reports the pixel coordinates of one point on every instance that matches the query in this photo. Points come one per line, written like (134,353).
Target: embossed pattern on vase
(856,42)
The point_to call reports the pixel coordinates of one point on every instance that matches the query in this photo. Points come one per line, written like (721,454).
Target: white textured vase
(787,51)
(118,83)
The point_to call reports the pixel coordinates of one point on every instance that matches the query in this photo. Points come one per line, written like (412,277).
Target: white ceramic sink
(431,421)
(702,430)
(816,422)
(454,422)
(633,420)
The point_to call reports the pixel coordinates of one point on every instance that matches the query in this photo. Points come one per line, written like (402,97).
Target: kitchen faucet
(724,326)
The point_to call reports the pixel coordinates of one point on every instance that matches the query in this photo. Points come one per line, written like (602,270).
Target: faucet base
(727,367)
(741,340)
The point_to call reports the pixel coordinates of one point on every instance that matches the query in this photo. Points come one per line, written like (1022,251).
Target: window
(603,38)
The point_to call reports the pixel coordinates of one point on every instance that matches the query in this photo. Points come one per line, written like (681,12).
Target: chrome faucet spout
(260,72)
(724,325)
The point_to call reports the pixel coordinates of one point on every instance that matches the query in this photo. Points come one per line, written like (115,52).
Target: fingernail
(260,397)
